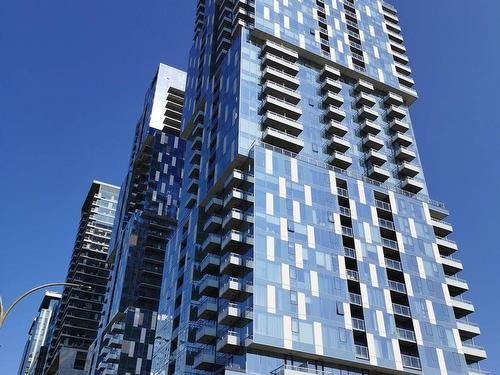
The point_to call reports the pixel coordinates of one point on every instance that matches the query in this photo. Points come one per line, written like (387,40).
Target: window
(293,297)
(331,217)
(315,147)
(340,308)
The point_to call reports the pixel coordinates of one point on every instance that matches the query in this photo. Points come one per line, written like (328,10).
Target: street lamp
(3,314)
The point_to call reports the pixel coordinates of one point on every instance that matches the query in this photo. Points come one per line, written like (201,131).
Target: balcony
(283,123)
(213,205)
(282,107)
(340,160)
(280,63)
(210,264)
(398,38)
(281,91)
(462,307)
(407,169)
(280,50)
(355,299)
(405,80)
(237,242)
(191,200)
(399,126)
(238,178)
(358,324)
(411,362)
(397,287)
(338,144)
(395,28)
(361,352)
(334,113)
(207,309)
(234,288)
(451,266)
(363,86)
(238,198)
(331,98)
(402,139)
(195,157)
(376,158)
(367,113)
(390,244)
(282,140)
(205,360)
(234,218)
(393,265)
(402,153)
(467,329)
(441,228)
(281,77)
(397,47)
(232,314)
(213,223)
(372,142)
(474,353)
(363,99)
(196,143)
(396,112)
(229,343)
(405,335)
(400,58)
(352,275)
(329,72)
(331,85)
(378,174)
(235,264)
(403,69)
(335,128)
(369,127)
(412,185)
(211,243)
(401,310)
(393,99)
(206,334)
(456,286)
(209,286)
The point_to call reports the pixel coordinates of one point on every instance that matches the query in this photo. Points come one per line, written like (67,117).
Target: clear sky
(72,80)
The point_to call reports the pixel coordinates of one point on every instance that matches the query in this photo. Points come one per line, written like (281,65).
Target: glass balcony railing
(412,362)
(393,264)
(401,310)
(405,334)
(350,253)
(362,352)
(355,299)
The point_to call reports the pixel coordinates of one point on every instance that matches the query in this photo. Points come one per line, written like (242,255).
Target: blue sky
(72,82)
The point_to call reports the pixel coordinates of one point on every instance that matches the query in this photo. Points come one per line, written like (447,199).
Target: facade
(80,309)
(39,335)
(147,215)
(307,241)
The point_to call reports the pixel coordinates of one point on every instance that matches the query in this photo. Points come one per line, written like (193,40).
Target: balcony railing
(358,324)
(393,264)
(349,252)
(383,205)
(355,299)
(401,310)
(397,287)
(352,275)
(362,352)
(410,361)
(405,334)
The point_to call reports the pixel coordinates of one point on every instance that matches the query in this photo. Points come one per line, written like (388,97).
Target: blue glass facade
(307,241)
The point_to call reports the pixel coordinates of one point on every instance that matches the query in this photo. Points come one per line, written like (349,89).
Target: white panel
(388,301)
(347,316)
(372,350)
(269,162)
(381,76)
(359,251)
(397,354)
(296,211)
(368,232)
(372,30)
(299,256)
(282,187)
(286,22)
(437,254)
(364,295)
(413,229)
(421,268)
(285,276)
(318,338)
(368,11)
(337,24)
(327,9)
(392,201)
(409,288)
(430,311)
(284,229)
(381,323)
(447,296)
(271,299)
(381,256)
(314,284)
(131,349)
(418,332)
(301,305)
(294,170)
(427,214)
(401,244)
(441,361)
(342,269)
(458,341)
(374,215)
(276,7)
(310,237)
(333,183)
(352,206)
(270,248)
(277,31)
(308,195)
(376,52)
(337,224)
(300,17)
(334,4)
(373,275)
(361,189)
(287,332)
(269,203)
(302,41)
(340,46)
(267,14)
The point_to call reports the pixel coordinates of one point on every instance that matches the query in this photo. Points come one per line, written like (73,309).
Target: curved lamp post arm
(3,314)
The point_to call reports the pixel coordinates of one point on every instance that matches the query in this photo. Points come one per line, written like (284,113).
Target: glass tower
(146,216)
(39,335)
(307,241)
(80,308)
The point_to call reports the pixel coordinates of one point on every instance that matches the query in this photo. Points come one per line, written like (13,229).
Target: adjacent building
(307,241)
(40,332)
(80,308)
(146,216)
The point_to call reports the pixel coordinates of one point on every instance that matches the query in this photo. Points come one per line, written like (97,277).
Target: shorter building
(80,310)
(39,335)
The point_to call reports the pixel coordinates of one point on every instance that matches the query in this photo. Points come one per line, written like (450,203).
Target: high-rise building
(147,215)
(39,335)
(80,308)
(307,240)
